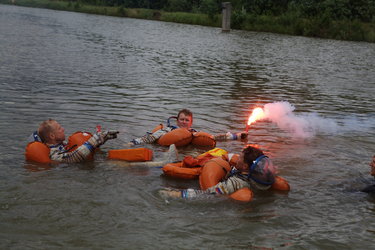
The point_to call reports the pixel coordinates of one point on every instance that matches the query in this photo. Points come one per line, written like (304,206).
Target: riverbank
(284,24)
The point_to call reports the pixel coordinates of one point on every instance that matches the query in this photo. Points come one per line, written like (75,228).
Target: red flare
(98,128)
(256,115)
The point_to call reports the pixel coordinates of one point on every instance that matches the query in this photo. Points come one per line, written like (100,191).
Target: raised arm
(83,151)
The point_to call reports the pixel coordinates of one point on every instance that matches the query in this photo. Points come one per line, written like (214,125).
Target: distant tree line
(361,10)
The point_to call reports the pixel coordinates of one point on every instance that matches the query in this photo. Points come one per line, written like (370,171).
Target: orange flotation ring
(203,139)
(214,171)
(38,152)
(135,154)
(244,194)
(190,167)
(179,137)
(280,184)
(77,139)
(183,137)
(179,171)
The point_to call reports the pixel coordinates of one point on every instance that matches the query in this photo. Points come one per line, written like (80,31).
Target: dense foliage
(361,10)
(336,19)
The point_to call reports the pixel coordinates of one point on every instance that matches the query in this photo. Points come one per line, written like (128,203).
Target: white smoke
(302,125)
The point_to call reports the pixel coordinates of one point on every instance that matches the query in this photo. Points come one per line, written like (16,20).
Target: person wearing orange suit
(253,170)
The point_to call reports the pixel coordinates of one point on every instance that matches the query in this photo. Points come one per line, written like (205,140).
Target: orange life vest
(39,152)
(183,137)
(177,170)
(214,171)
(190,167)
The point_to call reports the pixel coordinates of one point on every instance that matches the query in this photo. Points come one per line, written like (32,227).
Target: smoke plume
(301,125)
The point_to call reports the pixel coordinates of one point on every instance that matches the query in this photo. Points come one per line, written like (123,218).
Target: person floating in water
(184,119)
(253,170)
(52,134)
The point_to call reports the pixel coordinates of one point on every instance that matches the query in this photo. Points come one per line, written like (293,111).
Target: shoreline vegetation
(312,18)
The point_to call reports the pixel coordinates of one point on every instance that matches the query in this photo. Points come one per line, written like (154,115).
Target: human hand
(111,134)
(129,144)
(243,135)
(169,193)
(103,136)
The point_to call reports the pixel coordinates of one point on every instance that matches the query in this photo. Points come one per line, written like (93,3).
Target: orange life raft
(39,152)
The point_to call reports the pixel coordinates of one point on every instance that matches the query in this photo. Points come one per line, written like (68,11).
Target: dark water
(130,75)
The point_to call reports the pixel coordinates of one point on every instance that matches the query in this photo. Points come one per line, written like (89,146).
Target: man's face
(241,165)
(58,132)
(184,121)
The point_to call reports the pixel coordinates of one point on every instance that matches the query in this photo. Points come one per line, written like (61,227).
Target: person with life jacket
(184,119)
(51,133)
(253,170)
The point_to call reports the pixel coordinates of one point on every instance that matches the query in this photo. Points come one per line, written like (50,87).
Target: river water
(130,75)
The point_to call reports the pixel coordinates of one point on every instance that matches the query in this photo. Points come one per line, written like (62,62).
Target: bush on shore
(336,19)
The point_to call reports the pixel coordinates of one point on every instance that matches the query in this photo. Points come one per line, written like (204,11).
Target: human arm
(231,185)
(231,136)
(150,138)
(59,154)
(184,193)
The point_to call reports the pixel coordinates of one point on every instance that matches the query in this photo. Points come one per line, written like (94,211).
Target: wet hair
(185,112)
(45,128)
(250,154)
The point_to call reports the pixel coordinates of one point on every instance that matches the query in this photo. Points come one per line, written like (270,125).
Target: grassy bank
(315,27)
(178,17)
(283,24)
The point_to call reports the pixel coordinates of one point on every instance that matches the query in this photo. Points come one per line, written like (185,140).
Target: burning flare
(256,115)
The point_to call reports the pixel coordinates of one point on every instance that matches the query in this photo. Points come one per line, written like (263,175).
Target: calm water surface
(131,75)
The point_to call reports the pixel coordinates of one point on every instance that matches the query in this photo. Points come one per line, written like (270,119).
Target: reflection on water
(130,75)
